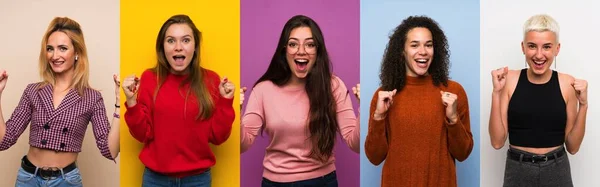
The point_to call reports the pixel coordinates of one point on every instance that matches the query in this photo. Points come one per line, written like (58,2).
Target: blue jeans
(71,179)
(154,179)
(329,180)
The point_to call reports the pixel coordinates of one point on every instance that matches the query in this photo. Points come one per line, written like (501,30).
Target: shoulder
(148,75)
(211,77)
(564,78)
(92,94)
(565,82)
(513,76)
(337,84)
(33,86)
(264,85)
(454,86)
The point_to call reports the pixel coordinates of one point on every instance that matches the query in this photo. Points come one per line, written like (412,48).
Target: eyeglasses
(293,47)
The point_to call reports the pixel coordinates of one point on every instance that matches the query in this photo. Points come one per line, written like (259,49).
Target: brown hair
(196,74)
(322,122)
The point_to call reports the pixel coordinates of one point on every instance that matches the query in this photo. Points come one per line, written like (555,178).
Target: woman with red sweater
(180,108)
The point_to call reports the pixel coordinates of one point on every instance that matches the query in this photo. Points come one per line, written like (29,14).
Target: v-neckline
(56,107)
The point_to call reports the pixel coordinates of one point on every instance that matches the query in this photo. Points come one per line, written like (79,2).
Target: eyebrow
(417,41)
(529,43)
(61,45)
(187,35)
(299,39)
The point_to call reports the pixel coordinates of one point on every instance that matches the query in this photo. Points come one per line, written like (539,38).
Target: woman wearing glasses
(301,106)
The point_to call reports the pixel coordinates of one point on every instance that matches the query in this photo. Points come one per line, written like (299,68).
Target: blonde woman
(539,110)
(59,109)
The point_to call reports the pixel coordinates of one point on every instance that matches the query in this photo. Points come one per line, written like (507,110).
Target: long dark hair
(322,122)
(196,72)
(393,66)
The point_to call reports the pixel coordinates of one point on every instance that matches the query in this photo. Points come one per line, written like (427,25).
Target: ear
(523,47)
(557,49)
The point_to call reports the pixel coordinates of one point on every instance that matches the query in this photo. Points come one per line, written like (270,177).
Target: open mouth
(422,62)
(538,64)
(179,59)
(57,62)
(301,64)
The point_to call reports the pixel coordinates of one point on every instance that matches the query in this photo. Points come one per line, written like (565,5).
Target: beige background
(23,24)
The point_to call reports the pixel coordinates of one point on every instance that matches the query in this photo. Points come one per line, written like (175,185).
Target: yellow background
(219,22)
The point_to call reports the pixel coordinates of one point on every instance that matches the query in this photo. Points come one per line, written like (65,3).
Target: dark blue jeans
(329,180)
(154,179)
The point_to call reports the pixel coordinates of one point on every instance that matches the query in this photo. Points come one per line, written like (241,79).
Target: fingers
(131,83)
(448,97)
(117,80)
(3,75)
(243,89)
(579,85)
(226,85)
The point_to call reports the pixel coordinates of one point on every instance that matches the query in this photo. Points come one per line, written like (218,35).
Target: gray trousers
(552,173)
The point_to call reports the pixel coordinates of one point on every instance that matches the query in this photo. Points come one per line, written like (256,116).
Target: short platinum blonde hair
(540,23)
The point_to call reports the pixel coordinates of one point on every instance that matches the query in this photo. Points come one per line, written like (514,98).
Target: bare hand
(242,92)
(3,80)
(130,86)
(384,100)
(356,91)
(226,88)
(449,100)
(117,81)
(499,78)
(580,87)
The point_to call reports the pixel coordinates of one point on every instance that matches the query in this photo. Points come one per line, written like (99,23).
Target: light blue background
(460,22)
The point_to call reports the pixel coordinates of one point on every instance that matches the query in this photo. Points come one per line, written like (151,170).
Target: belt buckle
(544,157)
(48,173)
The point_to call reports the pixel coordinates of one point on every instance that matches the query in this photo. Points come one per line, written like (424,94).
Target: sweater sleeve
(253,119)
(223,116)
(460,139)
(348,124)
(376,143)
(139,116)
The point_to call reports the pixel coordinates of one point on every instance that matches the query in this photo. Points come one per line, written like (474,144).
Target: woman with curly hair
(419,119)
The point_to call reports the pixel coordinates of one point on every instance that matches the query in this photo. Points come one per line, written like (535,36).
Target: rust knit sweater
(415,140)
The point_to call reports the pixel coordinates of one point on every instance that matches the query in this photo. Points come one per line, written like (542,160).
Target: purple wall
(261,25)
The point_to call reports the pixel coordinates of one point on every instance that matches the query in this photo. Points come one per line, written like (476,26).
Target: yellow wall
(219,22)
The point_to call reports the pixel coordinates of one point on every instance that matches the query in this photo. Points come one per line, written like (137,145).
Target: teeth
(539,62)
(421,60)
(301,60)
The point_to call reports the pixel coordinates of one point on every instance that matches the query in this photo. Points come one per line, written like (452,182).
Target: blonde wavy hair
(72,29)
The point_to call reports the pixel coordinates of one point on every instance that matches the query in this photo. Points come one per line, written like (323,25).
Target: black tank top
(537,113)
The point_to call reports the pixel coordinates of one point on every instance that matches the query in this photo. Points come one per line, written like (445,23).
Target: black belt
(535,158)
(46,172)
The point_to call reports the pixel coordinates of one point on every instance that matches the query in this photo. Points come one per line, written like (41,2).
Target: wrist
(131,102)
(378,116)
(452,120)
(115,115)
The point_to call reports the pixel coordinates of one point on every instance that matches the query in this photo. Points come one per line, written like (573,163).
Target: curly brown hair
(393,66)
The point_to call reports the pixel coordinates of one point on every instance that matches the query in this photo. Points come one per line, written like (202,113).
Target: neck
(184,72)
(295,81)
(63,80)
(539,79)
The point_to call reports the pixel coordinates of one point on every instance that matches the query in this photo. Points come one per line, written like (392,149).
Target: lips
(179,59)
(539,64)
(301,64)
(57,62)
(422,62)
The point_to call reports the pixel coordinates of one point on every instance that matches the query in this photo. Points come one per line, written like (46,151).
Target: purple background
(261,25)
